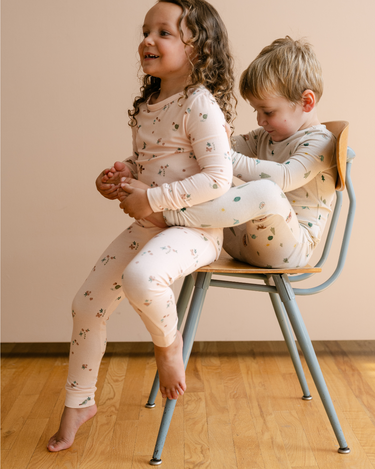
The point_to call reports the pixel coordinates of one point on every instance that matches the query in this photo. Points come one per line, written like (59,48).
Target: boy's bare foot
(171,369)
(71,420)
(113,176)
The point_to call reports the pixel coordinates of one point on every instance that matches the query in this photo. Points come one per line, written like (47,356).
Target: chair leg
(287,296)
(201,285)
(291,344)
(183,301)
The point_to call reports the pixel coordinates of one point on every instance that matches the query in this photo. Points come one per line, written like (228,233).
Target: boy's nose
(261,120)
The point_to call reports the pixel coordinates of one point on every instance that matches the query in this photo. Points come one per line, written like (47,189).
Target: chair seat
(226,264)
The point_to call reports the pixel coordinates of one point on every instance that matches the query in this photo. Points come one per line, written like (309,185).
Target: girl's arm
(313,155)
(204,124)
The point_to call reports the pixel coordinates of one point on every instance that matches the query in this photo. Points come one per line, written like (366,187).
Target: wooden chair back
(340,130)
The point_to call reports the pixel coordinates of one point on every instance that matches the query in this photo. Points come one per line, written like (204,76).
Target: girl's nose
(149,40)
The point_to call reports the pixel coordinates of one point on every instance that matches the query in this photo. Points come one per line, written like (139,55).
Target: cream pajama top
(181,150)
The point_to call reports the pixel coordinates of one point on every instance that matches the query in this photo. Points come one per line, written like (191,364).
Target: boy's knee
(267,189)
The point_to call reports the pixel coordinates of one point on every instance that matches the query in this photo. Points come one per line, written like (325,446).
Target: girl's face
(162,53)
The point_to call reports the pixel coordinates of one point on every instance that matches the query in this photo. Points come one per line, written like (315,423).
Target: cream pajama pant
(262,227)
(140,265)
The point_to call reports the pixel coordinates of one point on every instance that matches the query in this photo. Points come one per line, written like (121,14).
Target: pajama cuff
(78,398)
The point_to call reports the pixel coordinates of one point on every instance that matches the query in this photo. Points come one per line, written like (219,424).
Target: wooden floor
(242,409)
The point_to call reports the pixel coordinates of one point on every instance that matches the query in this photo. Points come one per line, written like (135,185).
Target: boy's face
(278,116)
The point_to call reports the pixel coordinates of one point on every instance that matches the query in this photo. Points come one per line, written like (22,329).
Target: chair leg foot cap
(307,398)
(150,406)
(155,462)
(344,450)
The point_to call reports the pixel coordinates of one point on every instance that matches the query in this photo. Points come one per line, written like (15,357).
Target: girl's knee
(136,282)
(81,306)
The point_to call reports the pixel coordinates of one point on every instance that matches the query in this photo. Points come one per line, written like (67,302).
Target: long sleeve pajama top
(304,166)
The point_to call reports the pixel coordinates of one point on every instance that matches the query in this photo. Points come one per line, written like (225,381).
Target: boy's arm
(314,154)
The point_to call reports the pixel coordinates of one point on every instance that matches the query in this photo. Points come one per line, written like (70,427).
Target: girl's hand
(135,203)
(108,181)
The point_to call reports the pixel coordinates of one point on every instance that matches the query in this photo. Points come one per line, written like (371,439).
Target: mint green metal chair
(278,284)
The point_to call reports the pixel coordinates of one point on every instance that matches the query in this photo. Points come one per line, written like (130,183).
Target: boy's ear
(308,100)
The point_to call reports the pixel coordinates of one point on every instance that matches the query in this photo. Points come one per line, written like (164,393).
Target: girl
(181,150)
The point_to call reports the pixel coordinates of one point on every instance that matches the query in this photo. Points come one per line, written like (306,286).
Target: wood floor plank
(233,383)
(41,457)
(251,375)
(98,448)
(282,357)
(173,453)
(25,444)
(16,419)
(25,368)
(122,445)
(363,429)
(197,449)
(295,442)
(276,390)
(131,399)
(194,379)
(50,393)
(222,452)
(245,439)
(270,442)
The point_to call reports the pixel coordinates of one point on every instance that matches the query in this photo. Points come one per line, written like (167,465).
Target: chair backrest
(340,130)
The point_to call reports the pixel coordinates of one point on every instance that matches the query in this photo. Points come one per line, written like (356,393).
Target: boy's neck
(311,119)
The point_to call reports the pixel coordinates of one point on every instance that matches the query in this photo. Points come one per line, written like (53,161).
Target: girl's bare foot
(71,420)
(171,369)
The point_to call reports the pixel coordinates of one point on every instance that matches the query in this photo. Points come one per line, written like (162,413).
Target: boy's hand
(228,130)
(134,201)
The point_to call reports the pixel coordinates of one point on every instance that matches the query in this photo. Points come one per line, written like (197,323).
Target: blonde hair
(284,68)
(214,63)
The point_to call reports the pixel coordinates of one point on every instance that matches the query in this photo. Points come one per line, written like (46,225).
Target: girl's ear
(308,100)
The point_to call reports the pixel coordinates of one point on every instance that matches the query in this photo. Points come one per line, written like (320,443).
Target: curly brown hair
(213,64)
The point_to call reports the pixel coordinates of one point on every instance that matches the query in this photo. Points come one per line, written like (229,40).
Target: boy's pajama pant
(144,261)
(262,227)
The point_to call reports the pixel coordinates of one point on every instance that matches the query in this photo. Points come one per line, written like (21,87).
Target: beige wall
(68,77)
